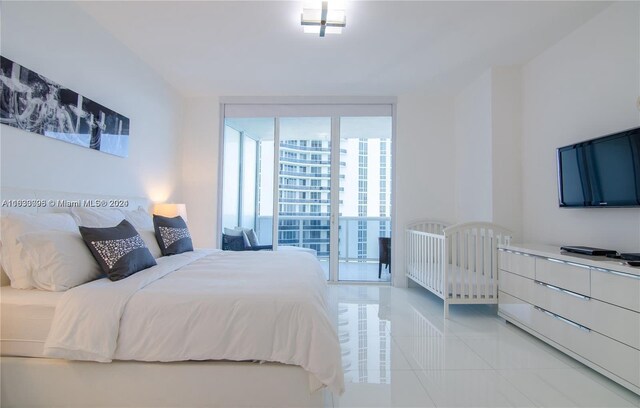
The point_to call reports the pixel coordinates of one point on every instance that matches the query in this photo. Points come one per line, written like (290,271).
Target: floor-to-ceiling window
(304,190)
(365,196)
(247,187)
(316,177)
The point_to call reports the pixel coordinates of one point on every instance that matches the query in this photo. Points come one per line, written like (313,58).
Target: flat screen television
(602,172)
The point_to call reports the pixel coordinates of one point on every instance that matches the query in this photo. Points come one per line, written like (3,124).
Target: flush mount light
(323,17)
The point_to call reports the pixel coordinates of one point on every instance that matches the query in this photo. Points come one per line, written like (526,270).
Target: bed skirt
(43,382)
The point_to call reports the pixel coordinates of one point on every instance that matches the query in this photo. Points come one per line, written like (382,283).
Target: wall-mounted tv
(602,172)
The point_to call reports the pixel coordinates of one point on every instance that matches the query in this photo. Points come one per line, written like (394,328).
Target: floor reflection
(365,342)
(398,350)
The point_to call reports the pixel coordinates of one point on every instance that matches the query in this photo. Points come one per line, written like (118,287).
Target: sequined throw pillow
(119,250)
(172,235)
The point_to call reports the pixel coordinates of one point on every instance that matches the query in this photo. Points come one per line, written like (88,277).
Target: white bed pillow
(59,260)
(13,225)
(97,217)
(143,223)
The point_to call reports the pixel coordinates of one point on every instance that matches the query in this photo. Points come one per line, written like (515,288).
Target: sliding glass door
(314,181)
(365,198)
(304,189)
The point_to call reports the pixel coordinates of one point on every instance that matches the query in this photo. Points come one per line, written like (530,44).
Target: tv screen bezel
(559,172)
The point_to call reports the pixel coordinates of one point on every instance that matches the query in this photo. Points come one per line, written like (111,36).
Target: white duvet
(205,305)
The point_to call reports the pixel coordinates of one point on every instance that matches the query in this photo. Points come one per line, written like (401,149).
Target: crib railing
(472,267)
(457,263)
(426,255)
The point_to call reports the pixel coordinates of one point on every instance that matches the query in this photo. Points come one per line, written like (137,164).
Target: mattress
(25,320)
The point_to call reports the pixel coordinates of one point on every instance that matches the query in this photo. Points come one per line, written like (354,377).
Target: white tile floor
(358,271)
(398,351)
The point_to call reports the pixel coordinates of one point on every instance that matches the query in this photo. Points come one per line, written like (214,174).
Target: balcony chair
(384,248)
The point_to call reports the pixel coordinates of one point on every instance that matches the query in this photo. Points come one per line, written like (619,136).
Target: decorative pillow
(251,236)
(119,250)
(59,260)
(12,225)
(232,243)
(238,232)
(172,235)
(143,223)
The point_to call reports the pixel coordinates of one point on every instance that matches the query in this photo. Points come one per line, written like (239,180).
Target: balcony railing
(357,241)
(305,148)
(305,174)
(304,161)
(295,187)
(284,200)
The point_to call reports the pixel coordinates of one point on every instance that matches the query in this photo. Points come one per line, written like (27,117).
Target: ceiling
(388,47)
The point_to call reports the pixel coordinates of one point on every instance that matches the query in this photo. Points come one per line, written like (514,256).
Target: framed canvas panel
(32,102)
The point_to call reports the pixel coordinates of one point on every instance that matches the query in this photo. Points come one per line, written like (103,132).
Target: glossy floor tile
(399,351)
(565,388)
(358,271)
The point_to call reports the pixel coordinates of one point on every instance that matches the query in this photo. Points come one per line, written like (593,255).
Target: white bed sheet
(251,305)
(25,317)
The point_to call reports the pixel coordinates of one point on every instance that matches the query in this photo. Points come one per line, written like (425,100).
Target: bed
(457,263)
(204,328)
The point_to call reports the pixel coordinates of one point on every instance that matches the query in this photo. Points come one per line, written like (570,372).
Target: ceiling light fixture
(329,18)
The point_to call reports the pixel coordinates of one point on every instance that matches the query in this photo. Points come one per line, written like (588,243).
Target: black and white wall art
(36,104)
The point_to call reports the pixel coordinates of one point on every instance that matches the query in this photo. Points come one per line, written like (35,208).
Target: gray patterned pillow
(119,250)
(172,235)
(250,235)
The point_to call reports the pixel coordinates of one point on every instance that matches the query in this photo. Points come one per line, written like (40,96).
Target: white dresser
(587,307)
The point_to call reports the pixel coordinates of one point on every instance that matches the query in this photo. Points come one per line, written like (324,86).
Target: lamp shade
(171,210)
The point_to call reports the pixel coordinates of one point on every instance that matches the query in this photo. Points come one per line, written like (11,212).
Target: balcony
(284,200)
(305,161)
(305,174)
(357,242)
(310,188)
(285,145)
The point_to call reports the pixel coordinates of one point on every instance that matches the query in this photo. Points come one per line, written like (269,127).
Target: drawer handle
(624,274)
(577,265)
(562,319)
(568,292)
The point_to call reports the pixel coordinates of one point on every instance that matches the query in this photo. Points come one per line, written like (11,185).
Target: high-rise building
(304,193)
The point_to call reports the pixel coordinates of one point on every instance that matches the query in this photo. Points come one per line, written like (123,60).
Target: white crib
(458,263)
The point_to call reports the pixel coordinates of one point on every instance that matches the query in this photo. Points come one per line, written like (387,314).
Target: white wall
(61,42)
(200,144)
(584,86)
(473,151)
(487,156)
(506,124)
(424,172)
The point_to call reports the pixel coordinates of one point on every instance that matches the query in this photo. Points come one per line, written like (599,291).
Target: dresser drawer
(517,286)
(520,264)
(616,288)
(514,307)
(612,321)
(573,277)
(613,356)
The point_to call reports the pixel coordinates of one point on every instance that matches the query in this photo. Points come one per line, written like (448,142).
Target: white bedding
(205,305)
